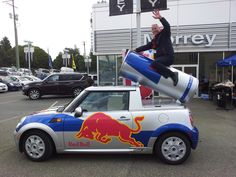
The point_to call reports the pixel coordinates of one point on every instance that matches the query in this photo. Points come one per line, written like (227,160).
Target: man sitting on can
(164,50)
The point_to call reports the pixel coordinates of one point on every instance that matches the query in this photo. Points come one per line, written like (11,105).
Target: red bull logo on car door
(102,128)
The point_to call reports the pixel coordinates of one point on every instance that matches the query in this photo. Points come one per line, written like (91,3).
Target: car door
(66,84)
(50,85)
(105,123)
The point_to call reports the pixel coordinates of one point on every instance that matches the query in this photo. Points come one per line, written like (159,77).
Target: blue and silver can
(136,67)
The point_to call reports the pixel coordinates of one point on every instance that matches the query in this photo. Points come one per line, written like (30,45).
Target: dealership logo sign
(196,39)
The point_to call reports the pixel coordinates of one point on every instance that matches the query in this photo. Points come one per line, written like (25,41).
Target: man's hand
(156,14)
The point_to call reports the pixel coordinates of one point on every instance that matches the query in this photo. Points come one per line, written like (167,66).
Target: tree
(79,60)
(5,52)
(58,63)
(40,58)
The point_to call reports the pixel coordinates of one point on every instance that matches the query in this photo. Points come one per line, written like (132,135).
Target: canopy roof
(230,61)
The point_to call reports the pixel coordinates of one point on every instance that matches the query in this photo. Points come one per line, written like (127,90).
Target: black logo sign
(120,7)
(150,5)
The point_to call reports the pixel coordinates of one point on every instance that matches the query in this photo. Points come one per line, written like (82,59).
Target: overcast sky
(49,24)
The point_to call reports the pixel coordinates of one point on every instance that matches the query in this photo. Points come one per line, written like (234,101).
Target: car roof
(111,88)
(71,73)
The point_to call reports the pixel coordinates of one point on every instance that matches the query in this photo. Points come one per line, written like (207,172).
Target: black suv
(57,84)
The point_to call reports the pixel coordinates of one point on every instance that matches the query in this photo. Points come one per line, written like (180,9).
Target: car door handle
(123,118)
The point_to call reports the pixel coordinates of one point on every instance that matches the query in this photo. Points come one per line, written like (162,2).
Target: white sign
(195,39)
(26,50)
(65,56)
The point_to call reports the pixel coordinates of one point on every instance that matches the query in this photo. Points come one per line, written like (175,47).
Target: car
(12,85)
(42,73)
(57,84)
(109,119)
(10,71)
(20,79)
(94,77)
(24,71)
(3,87)
(31,78)
(52,71)
(3,73)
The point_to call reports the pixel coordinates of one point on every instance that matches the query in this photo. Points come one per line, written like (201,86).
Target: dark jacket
(161,42)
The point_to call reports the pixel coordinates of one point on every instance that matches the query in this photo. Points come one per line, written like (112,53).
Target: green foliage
(5,52)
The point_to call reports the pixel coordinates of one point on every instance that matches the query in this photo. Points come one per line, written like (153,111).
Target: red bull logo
(102,128)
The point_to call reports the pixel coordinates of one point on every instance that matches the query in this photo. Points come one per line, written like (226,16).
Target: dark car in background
(58,84)
(12,85)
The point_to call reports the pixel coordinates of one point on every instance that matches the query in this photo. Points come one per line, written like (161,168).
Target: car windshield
(28,78)
(23,79)
(7,79)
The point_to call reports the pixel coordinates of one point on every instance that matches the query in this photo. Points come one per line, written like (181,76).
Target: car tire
(173,148)
(37,146)
(76,91)
(34,94)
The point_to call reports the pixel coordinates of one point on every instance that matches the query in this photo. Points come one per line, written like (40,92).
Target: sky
(49,24)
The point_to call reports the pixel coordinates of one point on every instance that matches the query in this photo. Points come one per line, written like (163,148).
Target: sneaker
(175,78)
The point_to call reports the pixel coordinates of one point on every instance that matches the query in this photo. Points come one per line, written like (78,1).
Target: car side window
(105,101)
(53,78)
(75,77)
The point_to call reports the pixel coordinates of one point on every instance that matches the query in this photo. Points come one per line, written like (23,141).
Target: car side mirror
(78,112)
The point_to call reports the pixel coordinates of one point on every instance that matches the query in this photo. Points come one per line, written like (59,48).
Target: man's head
(156,29)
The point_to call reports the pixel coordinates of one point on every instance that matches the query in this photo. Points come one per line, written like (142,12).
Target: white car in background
(31,78)
(24,71)
(3,87)
(23,81)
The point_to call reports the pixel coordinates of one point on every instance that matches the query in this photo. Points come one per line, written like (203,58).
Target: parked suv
(57,84)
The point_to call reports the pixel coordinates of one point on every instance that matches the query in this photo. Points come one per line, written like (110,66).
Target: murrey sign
(150,5)
(196,39)
(120,7)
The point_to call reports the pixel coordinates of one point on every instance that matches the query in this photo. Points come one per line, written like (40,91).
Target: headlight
(11,84)
(26,86)
(21,121)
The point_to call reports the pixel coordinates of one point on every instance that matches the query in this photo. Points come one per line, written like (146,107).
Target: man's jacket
(161,42)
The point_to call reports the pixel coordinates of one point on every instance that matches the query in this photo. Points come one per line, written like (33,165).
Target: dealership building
(203,32)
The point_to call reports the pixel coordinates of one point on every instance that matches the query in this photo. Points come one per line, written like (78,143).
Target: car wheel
(76,91)
(173,148)
(37,146)
(34,94)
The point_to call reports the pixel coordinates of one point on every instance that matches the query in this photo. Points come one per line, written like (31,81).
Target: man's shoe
(175,78)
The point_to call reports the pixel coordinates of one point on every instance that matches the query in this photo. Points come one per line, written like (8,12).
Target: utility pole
(86,60)
(15,31)
(138,22)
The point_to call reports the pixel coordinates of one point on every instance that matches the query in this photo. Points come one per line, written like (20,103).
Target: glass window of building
(107,69)
(186,58)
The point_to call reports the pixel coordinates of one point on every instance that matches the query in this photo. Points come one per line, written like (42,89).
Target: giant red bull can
(136,67)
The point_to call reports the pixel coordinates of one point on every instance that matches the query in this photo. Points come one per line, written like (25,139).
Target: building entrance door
(189,69)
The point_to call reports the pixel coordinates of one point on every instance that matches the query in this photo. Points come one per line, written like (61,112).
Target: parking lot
(215,155)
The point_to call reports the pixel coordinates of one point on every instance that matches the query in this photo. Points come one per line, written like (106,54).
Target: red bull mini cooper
(109,119)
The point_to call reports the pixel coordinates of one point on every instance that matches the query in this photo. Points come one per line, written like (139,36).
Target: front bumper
(16,139)
(24,91)
(194,136)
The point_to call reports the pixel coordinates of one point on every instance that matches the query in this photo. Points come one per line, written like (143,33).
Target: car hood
(2,84)
(34,82)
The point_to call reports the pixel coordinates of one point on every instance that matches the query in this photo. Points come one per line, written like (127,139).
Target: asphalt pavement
(215,155)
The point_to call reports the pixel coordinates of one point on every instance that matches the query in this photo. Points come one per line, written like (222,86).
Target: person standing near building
(161,42)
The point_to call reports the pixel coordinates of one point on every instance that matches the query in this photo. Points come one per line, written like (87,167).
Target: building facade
(203,32)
